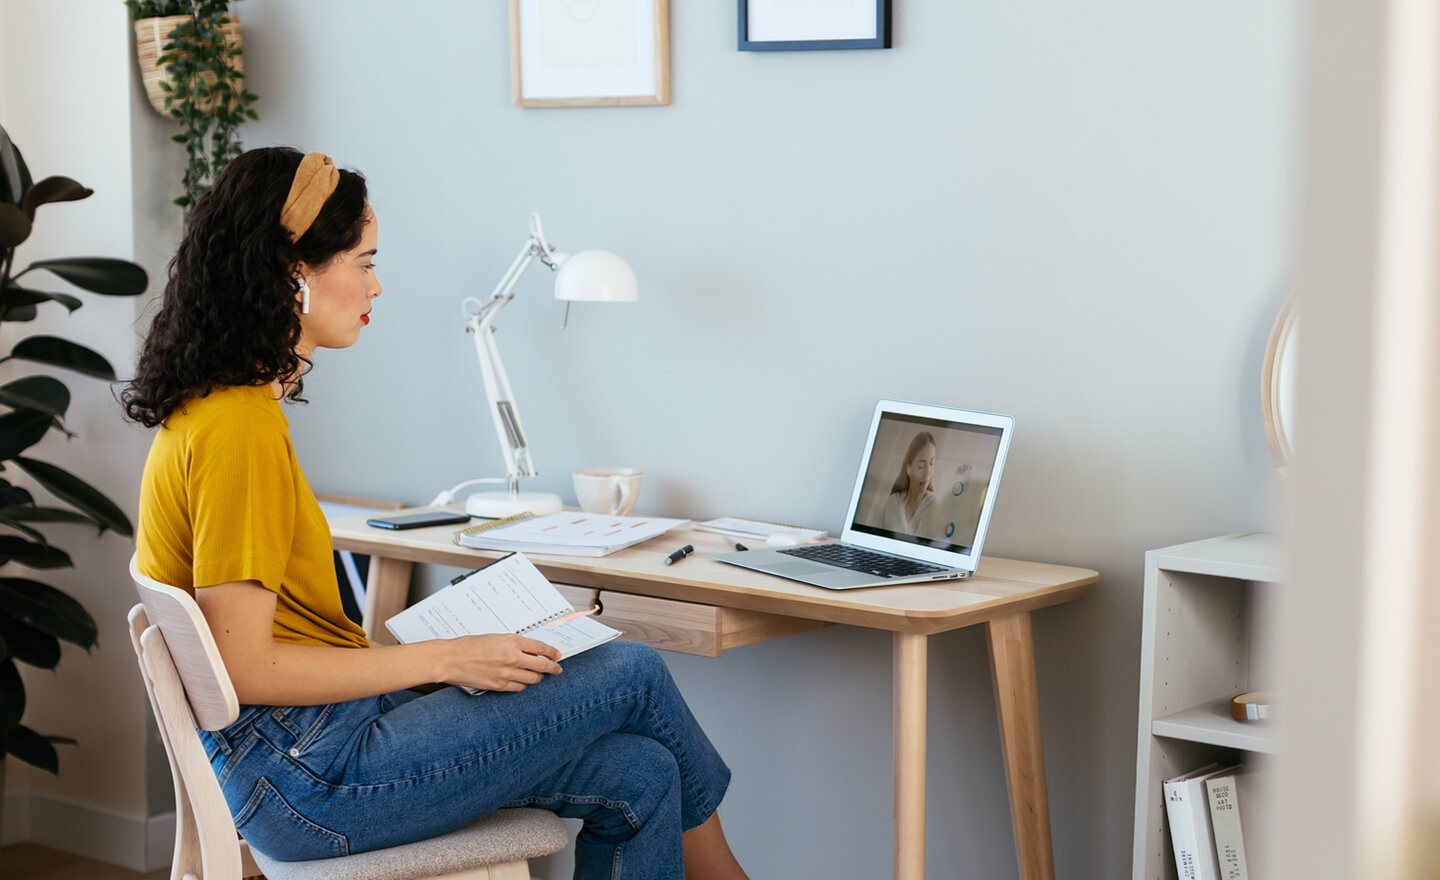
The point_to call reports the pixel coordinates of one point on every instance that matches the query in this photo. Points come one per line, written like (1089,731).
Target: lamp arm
(480,322)
(509,431)
(505,289)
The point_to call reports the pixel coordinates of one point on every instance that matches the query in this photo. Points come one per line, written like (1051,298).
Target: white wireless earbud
(304,297)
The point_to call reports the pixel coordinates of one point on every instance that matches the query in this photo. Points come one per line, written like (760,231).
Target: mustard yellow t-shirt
(223,499)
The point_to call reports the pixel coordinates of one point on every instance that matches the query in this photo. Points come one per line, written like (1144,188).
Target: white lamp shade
(596,276)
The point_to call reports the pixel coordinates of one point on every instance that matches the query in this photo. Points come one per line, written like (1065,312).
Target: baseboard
(16,826)
(140,843)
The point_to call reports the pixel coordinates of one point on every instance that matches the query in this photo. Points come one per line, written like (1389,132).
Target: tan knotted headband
(315,181)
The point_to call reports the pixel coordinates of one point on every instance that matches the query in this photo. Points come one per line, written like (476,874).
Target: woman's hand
(498,662)
(265,672)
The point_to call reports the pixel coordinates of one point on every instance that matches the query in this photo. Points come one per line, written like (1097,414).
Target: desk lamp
(589,276)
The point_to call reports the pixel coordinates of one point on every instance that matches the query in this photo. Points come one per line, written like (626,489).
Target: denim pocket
(227,738)
(271,825)
(292,729)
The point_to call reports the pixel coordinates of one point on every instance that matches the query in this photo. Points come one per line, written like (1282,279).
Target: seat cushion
(503,836)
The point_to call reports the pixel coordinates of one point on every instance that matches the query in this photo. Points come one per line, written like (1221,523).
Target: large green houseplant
(34,616)
(199,77)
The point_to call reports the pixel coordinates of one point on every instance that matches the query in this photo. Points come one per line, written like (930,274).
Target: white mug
(611,490)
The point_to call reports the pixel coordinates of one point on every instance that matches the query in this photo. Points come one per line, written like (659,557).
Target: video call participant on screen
(911,502)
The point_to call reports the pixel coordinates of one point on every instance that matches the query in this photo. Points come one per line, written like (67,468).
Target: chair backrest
(177,653)
(206,844)
(187,635)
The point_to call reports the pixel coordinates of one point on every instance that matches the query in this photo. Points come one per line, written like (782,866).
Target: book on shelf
(1188,812)
(1235,806)
(509,595)
(567,533)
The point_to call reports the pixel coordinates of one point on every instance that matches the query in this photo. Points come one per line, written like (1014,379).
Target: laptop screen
(927,483)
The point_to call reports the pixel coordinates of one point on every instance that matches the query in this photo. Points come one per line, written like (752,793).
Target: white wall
(1078,215)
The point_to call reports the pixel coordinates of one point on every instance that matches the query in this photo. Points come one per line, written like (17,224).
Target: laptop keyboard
(855,559)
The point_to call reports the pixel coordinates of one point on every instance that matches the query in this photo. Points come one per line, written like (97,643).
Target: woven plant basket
(151,35)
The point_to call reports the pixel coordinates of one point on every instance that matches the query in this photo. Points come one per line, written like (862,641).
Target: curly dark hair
(229,315)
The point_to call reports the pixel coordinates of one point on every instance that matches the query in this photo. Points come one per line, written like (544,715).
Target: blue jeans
(608,741)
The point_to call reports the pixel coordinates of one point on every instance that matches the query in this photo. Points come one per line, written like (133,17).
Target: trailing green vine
(205,91)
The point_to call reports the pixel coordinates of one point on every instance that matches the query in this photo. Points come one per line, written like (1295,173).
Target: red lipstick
(365,318)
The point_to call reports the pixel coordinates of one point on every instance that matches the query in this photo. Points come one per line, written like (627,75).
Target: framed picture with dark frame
(790,26)
(589,53)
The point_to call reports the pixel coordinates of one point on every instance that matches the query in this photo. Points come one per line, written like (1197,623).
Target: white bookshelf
(1205,602)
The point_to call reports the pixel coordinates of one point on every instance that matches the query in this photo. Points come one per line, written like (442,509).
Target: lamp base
(494,505)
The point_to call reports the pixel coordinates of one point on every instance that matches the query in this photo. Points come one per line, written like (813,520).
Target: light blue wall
(1078,214)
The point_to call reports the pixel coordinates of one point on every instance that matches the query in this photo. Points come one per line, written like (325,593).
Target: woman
(907,509)
(333,752)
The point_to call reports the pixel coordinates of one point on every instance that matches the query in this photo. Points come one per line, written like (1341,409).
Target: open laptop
(952,458)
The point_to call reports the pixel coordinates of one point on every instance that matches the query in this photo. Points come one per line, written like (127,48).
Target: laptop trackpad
(798,568)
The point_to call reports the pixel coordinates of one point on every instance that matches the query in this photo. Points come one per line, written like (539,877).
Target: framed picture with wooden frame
(589,53)
(803,25)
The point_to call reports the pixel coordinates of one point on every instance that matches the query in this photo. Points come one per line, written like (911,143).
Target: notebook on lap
(920,507)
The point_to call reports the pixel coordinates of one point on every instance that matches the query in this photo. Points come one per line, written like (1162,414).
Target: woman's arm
(270,673)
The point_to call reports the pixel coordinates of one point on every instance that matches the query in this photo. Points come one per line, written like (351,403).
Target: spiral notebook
(509,595)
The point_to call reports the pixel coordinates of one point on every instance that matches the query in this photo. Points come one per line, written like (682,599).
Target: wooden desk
(745,606)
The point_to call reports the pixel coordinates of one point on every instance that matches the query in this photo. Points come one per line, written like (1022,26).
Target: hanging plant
(198,75)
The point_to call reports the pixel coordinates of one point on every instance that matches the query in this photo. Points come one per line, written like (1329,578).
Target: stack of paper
(740,527)
(569,533)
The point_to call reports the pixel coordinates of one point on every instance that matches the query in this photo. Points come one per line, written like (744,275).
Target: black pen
(679,554)
(739,546)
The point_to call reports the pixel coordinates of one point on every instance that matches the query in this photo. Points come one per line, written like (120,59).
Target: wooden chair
(189,689)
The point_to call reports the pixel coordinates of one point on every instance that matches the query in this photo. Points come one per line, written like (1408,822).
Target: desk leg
(911,658)
(1012,661)
(386,589)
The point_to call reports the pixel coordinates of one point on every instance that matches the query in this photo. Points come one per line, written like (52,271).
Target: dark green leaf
(33,555)
(15,496)
(21,429)
(22,296)
(59,352)
(12,696)
(48,610)
(32,748)
(11,515)
(19,313)
(99,274)
(33,533)
(78,494)
(54,189)
(29,646)
(14,225)
(41,393)
(14,176)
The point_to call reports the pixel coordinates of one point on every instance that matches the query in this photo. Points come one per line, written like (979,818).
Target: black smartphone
(417,520)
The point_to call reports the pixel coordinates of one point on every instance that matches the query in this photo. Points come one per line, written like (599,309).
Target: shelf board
(1252,557)
(1211,723)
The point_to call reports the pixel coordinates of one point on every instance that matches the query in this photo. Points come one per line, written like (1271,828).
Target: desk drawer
(690,628)
(579,598)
